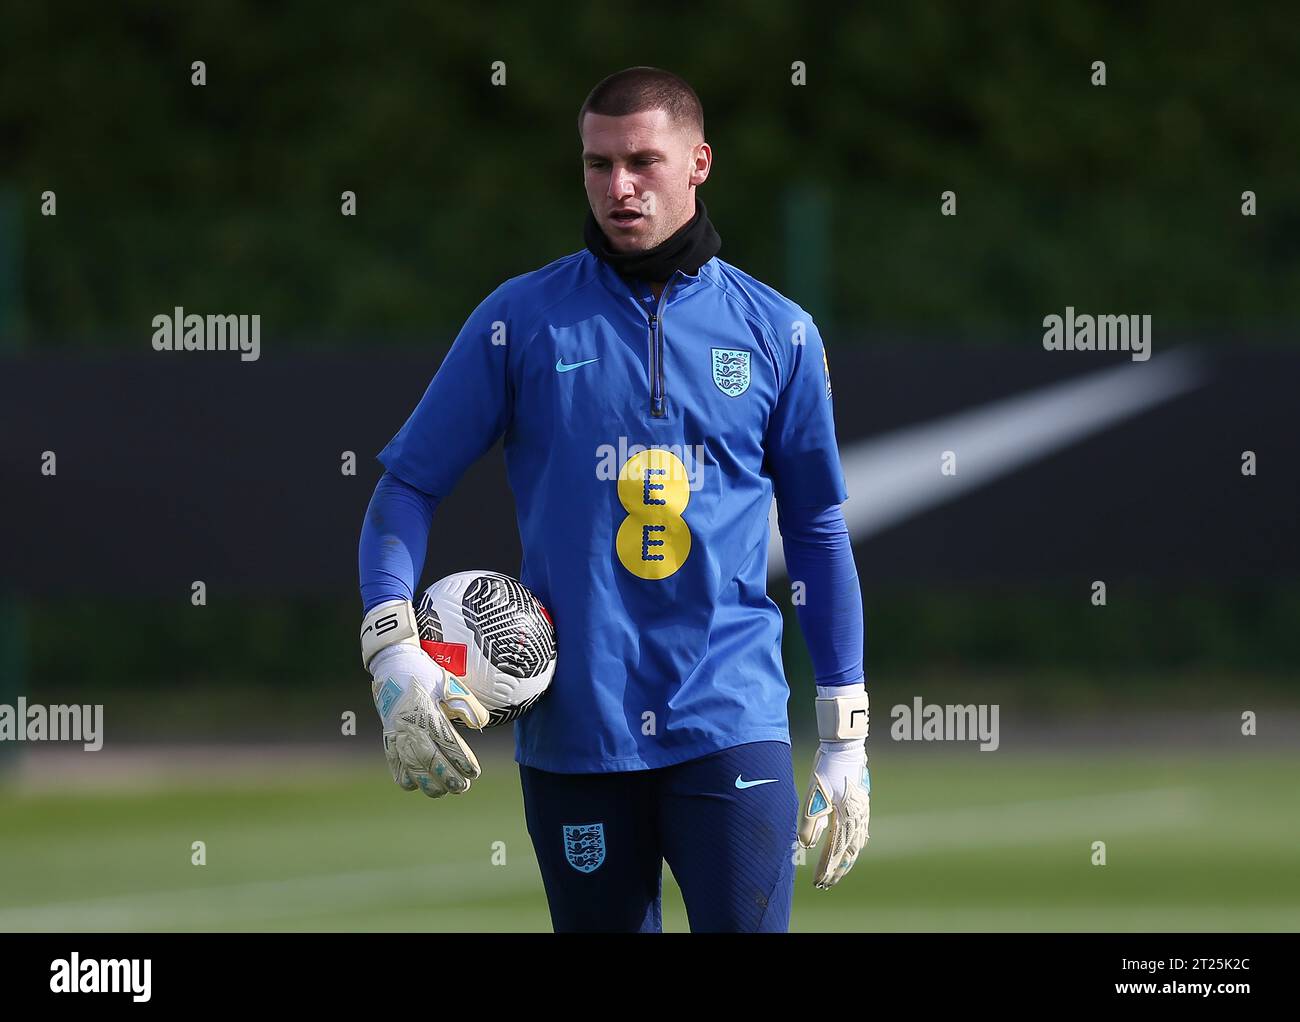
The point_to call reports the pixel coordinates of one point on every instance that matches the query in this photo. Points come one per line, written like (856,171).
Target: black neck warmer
(687,249)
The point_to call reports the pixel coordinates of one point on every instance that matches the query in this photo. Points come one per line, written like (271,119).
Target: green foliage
(1170,631)
(307,650)
(227,196)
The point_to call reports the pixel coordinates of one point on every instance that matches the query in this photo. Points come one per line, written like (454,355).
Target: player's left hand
(417,701)
(839,797)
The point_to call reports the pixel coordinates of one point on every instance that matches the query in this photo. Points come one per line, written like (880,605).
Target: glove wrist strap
(843,717)
(386,625)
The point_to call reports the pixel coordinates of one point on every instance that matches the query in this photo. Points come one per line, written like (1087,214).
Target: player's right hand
(417,700)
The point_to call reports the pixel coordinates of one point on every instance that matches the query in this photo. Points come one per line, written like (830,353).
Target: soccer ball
(494,635)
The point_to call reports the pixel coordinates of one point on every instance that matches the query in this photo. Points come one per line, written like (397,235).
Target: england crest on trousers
(731,370)
(584,846)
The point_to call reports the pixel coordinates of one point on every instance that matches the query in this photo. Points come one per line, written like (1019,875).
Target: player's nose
(620,184)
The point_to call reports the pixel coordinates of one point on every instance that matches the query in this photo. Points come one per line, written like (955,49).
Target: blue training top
(644,442)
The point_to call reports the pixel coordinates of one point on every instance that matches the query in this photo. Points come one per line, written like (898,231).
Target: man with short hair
(664,736)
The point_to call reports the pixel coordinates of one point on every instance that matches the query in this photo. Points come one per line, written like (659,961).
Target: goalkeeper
(664,736)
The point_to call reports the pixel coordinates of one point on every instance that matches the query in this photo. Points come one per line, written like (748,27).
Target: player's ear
(701,163)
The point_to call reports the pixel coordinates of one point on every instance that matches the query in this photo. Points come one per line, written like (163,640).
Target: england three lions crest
(731,370)
(584,846)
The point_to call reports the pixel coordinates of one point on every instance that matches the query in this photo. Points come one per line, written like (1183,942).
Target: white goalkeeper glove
(417,700)
(839,794)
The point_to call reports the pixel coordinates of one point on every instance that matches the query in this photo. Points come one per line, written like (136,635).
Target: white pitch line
(447,884)
(263,900)
(1041,821)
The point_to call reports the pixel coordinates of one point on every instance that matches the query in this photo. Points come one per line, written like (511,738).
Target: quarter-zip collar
(678,286)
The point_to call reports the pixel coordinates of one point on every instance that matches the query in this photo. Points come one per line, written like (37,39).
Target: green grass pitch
(960,841)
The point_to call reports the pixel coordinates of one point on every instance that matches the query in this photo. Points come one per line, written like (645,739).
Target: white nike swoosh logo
(742,784)
(897,476)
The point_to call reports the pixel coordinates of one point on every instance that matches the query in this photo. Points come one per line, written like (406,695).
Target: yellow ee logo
(653,540)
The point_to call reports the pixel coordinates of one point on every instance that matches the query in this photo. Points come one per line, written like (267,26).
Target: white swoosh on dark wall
(895,477)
